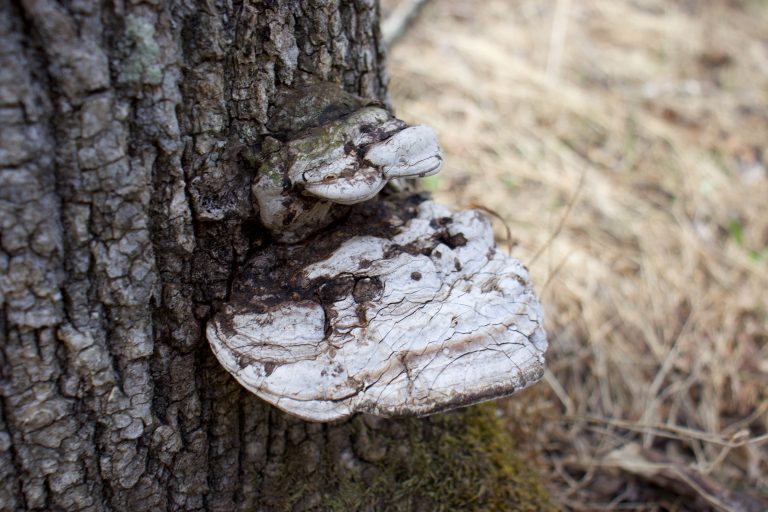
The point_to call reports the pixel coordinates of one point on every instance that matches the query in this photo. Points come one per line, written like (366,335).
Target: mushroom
(410,153)
(405,309)
(344,152)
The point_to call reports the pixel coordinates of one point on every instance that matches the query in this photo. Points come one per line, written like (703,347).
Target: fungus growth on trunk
(394,306)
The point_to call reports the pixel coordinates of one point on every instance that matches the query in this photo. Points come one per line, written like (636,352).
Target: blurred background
(623,144)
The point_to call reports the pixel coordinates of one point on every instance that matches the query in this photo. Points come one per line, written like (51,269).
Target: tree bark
(124,216)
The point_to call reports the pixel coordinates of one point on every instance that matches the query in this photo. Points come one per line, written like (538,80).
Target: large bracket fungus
(401,308)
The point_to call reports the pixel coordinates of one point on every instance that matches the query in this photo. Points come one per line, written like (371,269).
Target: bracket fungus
(403,308)
(305,182)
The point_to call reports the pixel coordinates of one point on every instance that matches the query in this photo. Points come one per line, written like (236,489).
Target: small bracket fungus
(344,153)
(416,316)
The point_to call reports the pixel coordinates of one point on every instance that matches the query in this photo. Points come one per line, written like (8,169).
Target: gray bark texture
(124,215)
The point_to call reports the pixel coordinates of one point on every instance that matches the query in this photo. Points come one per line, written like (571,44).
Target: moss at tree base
(463,460)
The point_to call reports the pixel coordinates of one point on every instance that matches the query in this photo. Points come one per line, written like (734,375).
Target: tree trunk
(125,213)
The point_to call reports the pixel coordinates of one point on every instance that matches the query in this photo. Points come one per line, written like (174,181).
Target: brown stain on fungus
(453,241)
(335,289)
(367,289)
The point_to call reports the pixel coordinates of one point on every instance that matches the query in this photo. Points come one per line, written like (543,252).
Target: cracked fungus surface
(428,318)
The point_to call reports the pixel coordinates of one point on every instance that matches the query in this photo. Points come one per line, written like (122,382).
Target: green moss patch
(465,460)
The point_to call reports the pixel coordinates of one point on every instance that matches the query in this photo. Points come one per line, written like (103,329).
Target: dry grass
(622,141)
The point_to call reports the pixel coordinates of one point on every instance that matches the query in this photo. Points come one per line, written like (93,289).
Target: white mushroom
(410,153)
(344,162)
(404,308)
(346,186)
(407,320)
